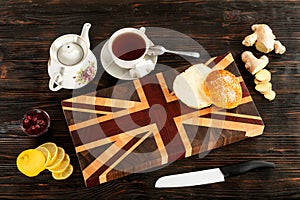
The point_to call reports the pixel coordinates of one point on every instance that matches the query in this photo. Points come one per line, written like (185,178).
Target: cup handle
(143,29)
(57,78)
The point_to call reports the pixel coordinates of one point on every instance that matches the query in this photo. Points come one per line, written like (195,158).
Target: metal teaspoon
(157,50)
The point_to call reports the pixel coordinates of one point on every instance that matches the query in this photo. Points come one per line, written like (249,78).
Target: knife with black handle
(210,175)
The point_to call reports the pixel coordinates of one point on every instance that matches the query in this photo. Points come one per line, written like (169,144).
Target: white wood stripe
(225,62)
(105,156)
(97,143)
(138,106)
(250,129)
(86,110)
(160,145)
(103,176)
(101,101)
(114,138)
(210,60)
(239,115)
(246,100)
(140,91)
(169,97)
(107,117)
(184,138)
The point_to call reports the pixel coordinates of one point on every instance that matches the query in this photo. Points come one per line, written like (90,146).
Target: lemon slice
(62,166)
(52,148)
(59,158)
(46,154)
(31,162)
(63,175)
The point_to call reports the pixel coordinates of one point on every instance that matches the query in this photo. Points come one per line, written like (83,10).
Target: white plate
(118,72)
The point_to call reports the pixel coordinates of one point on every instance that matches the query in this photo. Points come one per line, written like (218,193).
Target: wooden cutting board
(139,125)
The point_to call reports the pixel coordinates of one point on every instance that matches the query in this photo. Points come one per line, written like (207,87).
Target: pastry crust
(223,88)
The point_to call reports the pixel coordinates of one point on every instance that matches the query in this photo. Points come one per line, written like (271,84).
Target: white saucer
(74,81)
(118,72)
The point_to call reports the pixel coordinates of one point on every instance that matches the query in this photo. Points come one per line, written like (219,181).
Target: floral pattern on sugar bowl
(86,75)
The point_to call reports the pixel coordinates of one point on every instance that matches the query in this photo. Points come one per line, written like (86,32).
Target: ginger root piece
(263,75)
(279,48)
(264,39)
(270,95)
(264,87)
(253,64)
(250,40)
(257,81)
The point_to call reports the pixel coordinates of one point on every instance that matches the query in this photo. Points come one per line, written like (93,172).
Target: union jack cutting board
(139,125)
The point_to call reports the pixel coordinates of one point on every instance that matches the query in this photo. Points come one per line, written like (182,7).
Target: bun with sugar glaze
(223,88)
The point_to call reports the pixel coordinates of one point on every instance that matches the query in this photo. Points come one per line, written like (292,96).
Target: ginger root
(263,76)
(279,48)
(270,95)
(264,39)
(253,64)
(263,87)
(256,81)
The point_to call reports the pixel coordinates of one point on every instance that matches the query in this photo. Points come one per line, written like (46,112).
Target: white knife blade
(210,175)
(192,178)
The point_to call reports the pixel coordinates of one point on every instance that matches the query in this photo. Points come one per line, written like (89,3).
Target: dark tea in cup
(128,46)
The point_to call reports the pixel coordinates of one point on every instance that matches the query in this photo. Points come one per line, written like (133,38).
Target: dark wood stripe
(103,130)
(89,155)
(216,61)
(92,182)
(209,138)
(167,129)
(233,69)
(244,109)
(245,91)
(125,91)
(233,118)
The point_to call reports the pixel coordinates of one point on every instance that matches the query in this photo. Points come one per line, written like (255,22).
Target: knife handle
(237,169)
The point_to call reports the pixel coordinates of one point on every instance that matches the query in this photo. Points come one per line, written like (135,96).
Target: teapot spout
(85,33)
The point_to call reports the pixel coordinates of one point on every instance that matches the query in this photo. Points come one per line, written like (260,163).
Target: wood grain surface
(27,29)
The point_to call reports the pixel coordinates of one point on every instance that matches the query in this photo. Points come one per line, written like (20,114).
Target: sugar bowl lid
(70,53)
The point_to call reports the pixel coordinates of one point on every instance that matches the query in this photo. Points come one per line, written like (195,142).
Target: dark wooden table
(27,29)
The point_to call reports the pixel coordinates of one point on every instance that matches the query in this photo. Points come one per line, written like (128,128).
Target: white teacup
(128,46)
(71,64)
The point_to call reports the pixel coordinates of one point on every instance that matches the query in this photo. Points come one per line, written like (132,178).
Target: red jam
(35,122)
